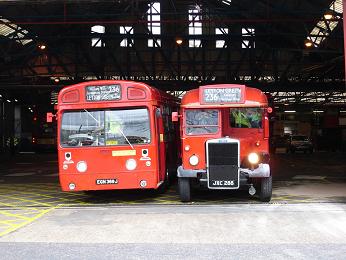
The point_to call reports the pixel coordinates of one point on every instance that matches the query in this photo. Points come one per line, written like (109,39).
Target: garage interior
(292,50)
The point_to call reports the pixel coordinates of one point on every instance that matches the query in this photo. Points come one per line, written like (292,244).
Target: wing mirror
(50,117)
(175,116)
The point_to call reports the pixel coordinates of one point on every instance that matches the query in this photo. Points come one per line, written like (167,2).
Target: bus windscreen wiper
(127,140)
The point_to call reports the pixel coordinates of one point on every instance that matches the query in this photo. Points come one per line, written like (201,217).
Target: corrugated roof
(13,31)
(324,27)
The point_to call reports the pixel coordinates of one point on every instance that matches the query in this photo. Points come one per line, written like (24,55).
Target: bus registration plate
(106,181)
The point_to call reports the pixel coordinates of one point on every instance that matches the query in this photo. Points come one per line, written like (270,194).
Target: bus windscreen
(105,127)
(248,117)
(202,121)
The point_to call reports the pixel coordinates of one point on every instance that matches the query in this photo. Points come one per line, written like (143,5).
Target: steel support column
(344,7)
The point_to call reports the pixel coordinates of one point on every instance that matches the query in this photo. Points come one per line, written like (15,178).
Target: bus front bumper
(262,171)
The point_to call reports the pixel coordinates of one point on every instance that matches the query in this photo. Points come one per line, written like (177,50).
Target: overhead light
(308,43)
(286,104)
(42,46)
(15,100)
(227,2)
(9,101)
(179,41)
(342,111)
(328,15)
(290,111)
(318,111)
(56,80)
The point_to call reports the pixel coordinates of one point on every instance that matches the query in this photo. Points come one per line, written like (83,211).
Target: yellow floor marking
(15,227)
(31,201)
(3,212)
(15,206)
(46,196)
(7,224)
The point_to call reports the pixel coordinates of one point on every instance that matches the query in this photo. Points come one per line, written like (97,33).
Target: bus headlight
(253,158)
(131,164)
(82,166)
(193,160)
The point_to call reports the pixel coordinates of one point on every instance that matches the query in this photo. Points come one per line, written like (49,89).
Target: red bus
(224,138)
(115,135)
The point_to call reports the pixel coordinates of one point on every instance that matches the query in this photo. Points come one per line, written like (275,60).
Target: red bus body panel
(251,140)
(108,162)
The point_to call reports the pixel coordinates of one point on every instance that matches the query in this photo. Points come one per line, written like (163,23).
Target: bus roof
(129,91)
(224,95)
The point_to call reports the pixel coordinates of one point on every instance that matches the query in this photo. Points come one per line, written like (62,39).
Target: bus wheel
(266,189)
(184,189)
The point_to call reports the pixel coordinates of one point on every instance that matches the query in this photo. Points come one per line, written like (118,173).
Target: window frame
(185,125)
(235,127)
(151,135)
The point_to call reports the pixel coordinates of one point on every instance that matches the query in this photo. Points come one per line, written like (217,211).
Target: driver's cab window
(201,121)
(249,117)
(105,127)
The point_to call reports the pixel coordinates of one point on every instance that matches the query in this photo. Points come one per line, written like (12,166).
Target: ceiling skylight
(13,31)
(325,27)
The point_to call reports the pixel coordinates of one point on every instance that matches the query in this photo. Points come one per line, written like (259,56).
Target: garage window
(97,41)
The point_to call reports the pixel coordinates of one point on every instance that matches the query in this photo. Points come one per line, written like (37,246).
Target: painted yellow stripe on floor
(15,227)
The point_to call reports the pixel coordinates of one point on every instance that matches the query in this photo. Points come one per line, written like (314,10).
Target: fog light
(253,158)
(131,164)
(193,160)
(72,186)
(252,190)
(143,183)
(82,166)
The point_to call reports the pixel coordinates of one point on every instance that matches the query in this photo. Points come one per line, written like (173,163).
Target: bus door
(161,144)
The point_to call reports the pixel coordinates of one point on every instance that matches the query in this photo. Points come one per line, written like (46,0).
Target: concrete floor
(308,231)
(305,220)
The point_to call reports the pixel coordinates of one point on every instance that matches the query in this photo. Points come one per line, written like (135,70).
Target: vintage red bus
(115,134)
(224,140)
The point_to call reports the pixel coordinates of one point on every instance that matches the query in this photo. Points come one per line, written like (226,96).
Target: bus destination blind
(103,93)
(222,95)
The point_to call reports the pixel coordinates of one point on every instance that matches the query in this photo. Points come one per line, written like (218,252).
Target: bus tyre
(266,189)
(184,189)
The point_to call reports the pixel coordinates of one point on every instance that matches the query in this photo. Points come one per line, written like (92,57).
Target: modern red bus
(224,138)
(115,134)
